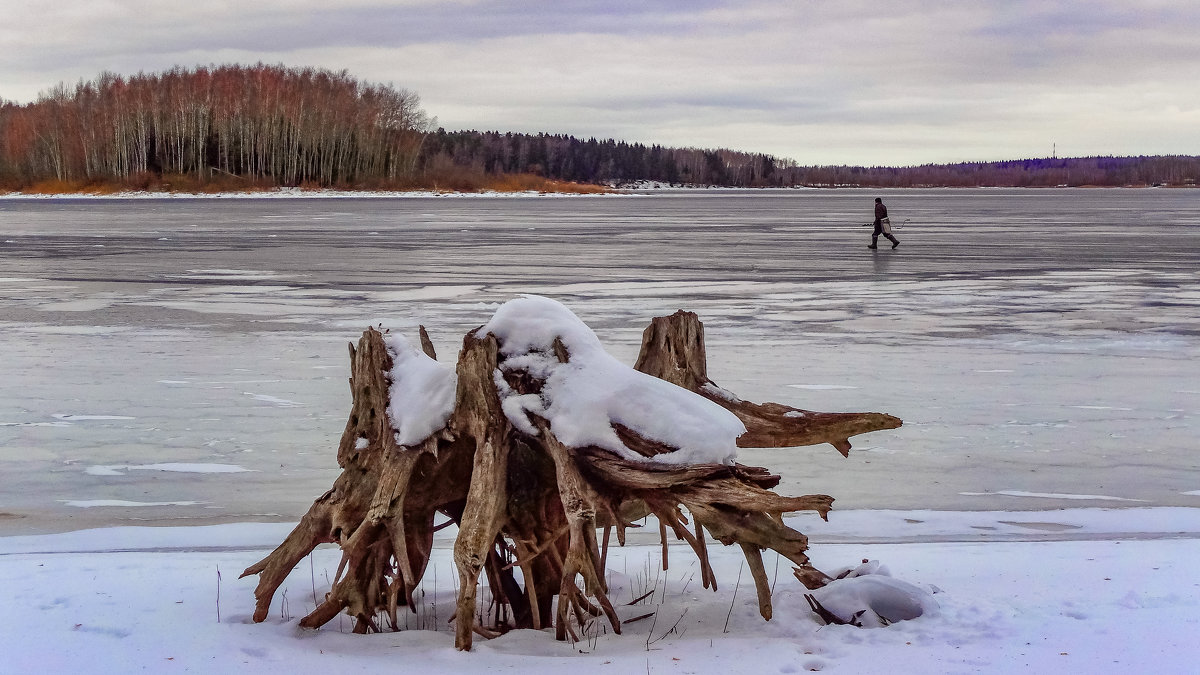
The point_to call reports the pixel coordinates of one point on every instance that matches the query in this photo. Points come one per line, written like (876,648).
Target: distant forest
(260,125)
(618,162)
(231,127)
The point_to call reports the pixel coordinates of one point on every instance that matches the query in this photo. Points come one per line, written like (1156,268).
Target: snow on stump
(536,440)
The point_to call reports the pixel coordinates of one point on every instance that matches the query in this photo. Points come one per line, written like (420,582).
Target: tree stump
(531,455)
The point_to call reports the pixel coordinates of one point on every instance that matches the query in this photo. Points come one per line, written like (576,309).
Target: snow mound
(585,397)
(868,597)
(421,396)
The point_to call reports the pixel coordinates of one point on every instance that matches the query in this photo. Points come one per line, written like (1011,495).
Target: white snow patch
(421,394)
(586,396)
(219,274)
(424,293)
(720,393)
(282,402)
(865,599)
(1078,596)
(101,470)
(1098,407)
(92,503)
(175,467)
(1047,495)
(518,407)
(926,524)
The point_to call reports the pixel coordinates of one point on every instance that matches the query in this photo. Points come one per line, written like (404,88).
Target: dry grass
(444,181)
(55,187)
(527,182)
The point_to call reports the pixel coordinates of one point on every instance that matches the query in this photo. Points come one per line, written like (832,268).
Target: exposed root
(524,500)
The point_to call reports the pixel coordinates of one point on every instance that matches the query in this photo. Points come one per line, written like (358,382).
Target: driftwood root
(525,501)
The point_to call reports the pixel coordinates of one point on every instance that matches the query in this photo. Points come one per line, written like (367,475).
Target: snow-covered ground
(183,362)
(129,599)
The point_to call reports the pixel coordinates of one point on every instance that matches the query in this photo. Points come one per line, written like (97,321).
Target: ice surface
(93,503)
(177,467)
(1021,357)
(283,402)
(67,417)
(1051,524)
(1049,495)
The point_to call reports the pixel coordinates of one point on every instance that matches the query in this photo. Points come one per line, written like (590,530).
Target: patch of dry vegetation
(527,182)
(446,181)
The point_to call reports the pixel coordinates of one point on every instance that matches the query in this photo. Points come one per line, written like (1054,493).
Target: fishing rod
(894,225)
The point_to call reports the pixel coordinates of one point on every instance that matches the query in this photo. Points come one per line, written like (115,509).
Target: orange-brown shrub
(54,186)
(443,179)
(528,182)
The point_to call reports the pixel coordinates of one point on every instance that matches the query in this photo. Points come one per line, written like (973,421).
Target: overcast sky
(842,82)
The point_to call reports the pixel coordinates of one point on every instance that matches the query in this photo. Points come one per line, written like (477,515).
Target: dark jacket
(880,210)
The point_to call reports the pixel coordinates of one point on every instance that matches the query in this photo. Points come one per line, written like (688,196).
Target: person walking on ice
(882,225)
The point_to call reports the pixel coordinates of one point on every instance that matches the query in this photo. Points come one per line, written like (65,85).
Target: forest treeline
(1174,170)
(228,127)
(261,124)
(609,162)
(617,162)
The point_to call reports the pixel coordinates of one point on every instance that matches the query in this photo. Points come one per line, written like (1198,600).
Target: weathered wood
(312,530)
(673,350)
(528,501)
(370,503)
(426,343)
(478,415)
(580,503)
(761,585)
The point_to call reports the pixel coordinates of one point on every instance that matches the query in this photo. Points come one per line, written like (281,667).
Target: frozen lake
(183,361)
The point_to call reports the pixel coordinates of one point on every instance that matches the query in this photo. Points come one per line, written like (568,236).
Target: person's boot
(872,246)
(895,243)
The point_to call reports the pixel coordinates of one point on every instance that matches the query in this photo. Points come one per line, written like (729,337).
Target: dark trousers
(878,231)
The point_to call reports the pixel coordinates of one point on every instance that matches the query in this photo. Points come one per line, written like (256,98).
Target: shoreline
(297,193)
(622,191)
(847,526)
(851,526)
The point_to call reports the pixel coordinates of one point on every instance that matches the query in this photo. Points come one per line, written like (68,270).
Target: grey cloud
(785,76)
(124,37)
